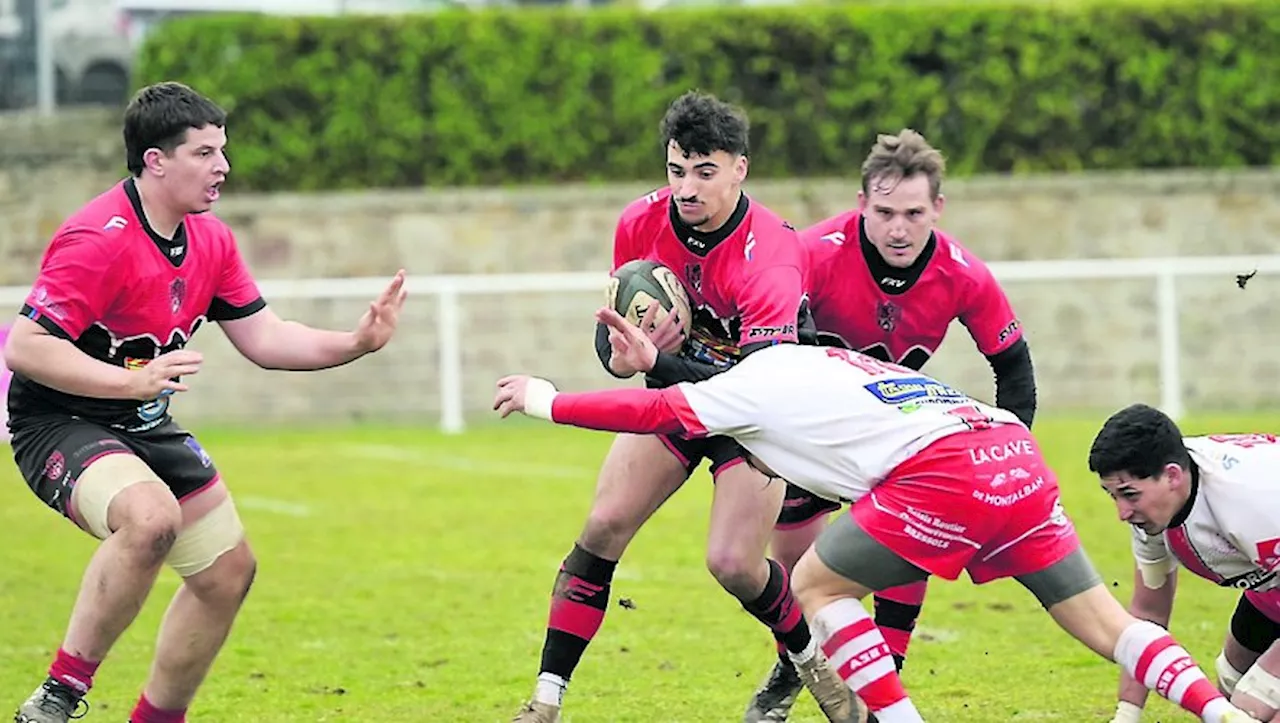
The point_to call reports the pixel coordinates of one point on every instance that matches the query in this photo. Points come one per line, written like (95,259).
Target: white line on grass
(457,463)
(267,504)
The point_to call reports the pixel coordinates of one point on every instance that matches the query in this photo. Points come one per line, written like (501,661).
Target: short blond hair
(907,154)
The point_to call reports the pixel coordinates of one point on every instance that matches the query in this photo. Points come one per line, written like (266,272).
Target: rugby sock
(776,607)
(145,712)
(1152,656)
(858,652)
(73,671)
(578,604)
(897,610)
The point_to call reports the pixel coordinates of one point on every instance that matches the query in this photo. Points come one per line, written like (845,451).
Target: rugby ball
(638,284)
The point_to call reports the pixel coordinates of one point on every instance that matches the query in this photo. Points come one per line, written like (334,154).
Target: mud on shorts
(980,501)
(53,454)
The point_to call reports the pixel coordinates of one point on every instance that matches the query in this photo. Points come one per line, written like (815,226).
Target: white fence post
(449,321)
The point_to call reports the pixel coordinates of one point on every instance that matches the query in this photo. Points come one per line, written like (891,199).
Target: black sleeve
(220,310)
(603,349)
(1015,381)
(671,369)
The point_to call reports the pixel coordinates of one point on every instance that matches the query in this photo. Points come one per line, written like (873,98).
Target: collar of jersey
(708,239)
(881,270)
(1180,518)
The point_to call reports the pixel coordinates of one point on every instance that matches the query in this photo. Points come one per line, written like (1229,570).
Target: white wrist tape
(1228,677)
(1261,685)
(1127,712)
(537,398)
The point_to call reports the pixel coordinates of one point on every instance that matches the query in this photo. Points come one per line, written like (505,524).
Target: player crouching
(1211,504)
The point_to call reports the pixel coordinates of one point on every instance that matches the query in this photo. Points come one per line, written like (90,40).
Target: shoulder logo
(652,197)
(750,246)
(115,222)
(835,237)
(958,256)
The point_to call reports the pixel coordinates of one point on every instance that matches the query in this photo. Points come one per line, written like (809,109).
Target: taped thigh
(201,542)
(99,484)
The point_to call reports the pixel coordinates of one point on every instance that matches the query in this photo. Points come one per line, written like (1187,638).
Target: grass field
(404,575)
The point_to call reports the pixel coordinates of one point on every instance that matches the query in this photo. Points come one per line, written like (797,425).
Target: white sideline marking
(465,464)
(267,504)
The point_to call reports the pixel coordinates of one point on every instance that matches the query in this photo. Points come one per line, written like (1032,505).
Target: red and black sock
(578,604)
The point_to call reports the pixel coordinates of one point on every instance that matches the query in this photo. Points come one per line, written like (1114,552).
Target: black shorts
(721,451)
(53,454)
(800,507)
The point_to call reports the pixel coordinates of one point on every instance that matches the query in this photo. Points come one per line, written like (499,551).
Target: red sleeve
(623,246)
(771,289)
(237,295)
(638,411)
(73,290)
(988,315)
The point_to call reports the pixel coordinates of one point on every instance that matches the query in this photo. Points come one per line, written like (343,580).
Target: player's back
(900,315)
(835,421)
(746,277)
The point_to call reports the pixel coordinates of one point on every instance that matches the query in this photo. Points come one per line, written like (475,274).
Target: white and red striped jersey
(832,421)
(1231,536)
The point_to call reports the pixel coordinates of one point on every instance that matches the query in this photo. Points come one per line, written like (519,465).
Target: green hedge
(536,96)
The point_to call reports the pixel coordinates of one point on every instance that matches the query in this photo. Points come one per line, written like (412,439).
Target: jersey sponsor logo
(115,222)
(914,389)
(1007,332)
(1001,452)
(888,314)
(760,332)
(1269,554)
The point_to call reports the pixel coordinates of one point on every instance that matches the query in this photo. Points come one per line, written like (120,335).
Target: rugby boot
(773,700)
(837,702)
(53,702)
(535,712)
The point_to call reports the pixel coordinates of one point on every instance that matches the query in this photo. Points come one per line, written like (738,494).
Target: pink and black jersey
(902,315)
(745,280)
(124,295)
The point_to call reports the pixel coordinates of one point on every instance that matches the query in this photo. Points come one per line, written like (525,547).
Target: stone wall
(1094,342)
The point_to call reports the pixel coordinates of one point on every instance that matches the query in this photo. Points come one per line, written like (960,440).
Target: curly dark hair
(702,124)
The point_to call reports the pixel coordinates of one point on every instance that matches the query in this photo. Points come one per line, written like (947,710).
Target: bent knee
(146,517)
(212,546)
(735,571)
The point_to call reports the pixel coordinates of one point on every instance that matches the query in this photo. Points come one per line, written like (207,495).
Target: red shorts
(982,501)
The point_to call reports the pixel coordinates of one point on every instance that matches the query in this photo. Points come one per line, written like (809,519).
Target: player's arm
(265,339)
(1155,583)
(724,404)
(50,358)
(1258,691)
(72,292)
(995,329)
(1015,380)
